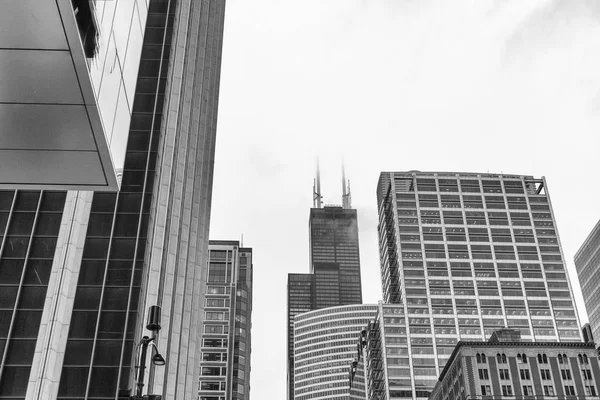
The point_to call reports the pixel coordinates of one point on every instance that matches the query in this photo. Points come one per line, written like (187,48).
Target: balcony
(51,131)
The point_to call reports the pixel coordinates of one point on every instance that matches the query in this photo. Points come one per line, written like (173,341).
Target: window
(566,374)
(506,390)
(545,373)
(483,374)
(542,359)
(549,390)
(527,390)
(583,359)
(525,374)
(587,374)
(590,390)
(569,390)
(501,358)
(504,374)
(486,390)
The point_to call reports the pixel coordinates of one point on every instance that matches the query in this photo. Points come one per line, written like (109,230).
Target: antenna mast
(346,197)
(317,190)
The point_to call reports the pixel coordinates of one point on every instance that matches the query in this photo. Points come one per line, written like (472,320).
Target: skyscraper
(466,254)
(587,262)
(226,339)
(79,270)
(334,277)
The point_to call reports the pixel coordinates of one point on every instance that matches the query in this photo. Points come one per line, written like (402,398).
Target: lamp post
(154,326)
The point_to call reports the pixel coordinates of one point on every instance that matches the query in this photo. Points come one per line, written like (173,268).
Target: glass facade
(465,254)
(587,262)
(324,348)
(334,277)
(226,339)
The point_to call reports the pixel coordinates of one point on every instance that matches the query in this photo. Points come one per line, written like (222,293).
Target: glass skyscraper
(465,254)
(226,339)
(587,262)
(334,278)
(78,270)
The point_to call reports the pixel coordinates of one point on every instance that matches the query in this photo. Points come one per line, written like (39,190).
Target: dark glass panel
(5,316)
(3,222)
(21,223)
(87,298)
(100,224)
(43,247)
(92,272)
(15,247)
(103,381)
(10,271)
(115,299)
(14,381)
(8,296)
(73,381)
(126,225)
(112,325)
(108,352)
(104,202)
(135,298)
(6,199)
(139,140)
(20,352)
(78,352)
(83,324)
(144,228)
(27,324)
(48,224)
(129,203)
(131,324)
(95,248)
(132,181)
(119,273)
(37,272)
(141,249)
(147,202)
(53,201)
(140,122)
(26,200)
(2,346)
(123,248)
(33,297)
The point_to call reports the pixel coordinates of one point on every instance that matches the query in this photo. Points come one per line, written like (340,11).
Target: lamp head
(153,319)
(157,359)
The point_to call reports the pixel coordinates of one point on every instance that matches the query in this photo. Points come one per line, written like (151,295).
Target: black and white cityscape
(299,200)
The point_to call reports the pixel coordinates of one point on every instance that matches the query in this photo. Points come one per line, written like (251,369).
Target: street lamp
(157,359)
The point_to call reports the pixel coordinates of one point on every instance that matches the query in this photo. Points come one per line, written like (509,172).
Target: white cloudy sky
(507,86)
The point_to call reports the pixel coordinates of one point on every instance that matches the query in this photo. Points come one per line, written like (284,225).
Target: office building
(79,270)
(507,368)
(587,262)
(465,254)
(586,332)
(226,340)
(324,347)
(334,277)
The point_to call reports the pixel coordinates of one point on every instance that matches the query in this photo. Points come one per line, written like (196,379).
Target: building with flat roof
(464,254)
(587,262)
(226,337)
(507,368)
(79,270)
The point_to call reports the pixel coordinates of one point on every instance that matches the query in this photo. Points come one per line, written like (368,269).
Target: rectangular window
(545,373)
(486,390)
(504,374)
(549,390)
(527,390)
(483,374)
(506,390)
(525,374)
(569,390)
(566,374)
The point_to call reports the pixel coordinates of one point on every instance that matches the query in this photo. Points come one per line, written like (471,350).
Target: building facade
(324,347)
(511,369)
(334,277)
(226,339)
(587,262)
(466,254)
(78,270)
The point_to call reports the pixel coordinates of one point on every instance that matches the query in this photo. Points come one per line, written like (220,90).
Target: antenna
(317,191)
(346,198)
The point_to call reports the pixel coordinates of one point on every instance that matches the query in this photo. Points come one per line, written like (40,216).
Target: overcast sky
(496,86)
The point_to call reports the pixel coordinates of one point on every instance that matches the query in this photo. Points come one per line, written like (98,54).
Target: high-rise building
(587,262)
(508,368)
(226,340)
(79,270)
(324,347)
(465,254)
(334,278)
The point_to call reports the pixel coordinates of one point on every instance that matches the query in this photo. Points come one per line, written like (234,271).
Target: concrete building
(466,254)
(334,277)
(79,270)
(324,347)
(507,368)
(587,262)
(226,339)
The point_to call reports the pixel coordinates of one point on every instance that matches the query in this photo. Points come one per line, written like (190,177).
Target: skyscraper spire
(317,189)
(346,198)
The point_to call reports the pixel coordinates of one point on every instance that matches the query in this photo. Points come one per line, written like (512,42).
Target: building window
(522,358)
(549,390)
(569,390)
(525,374)
(486,390)
(527,390)
(483,374)
(545,374)
(504,374)
(587,374)
(481,358)
(562,359)
(542,359)
(566,374)
(506,390)
(501,358)
(583,359)
(590,390)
